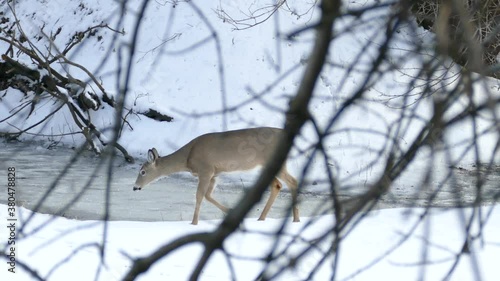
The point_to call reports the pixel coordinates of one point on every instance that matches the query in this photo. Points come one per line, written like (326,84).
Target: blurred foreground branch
(296,117)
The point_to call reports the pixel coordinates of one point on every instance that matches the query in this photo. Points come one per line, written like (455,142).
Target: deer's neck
(173,163)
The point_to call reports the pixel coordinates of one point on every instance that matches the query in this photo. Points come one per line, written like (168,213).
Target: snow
(176,79)
(377,249)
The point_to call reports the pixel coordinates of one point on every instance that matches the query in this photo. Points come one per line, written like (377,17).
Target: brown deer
(211,154)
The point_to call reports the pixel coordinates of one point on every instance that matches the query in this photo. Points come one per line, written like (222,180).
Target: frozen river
(173,198)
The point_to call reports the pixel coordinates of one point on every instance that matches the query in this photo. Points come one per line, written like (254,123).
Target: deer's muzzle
(137,188)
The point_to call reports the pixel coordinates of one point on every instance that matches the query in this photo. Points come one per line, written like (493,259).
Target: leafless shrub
(467,27)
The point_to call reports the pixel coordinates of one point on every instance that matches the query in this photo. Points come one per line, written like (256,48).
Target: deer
(211,154)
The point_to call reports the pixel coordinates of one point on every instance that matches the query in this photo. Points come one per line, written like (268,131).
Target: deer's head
(149,171)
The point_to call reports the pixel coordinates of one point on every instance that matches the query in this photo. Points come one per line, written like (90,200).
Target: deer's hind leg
(291,182)
(275,190)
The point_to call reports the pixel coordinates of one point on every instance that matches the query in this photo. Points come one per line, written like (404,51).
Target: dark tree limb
(158,116)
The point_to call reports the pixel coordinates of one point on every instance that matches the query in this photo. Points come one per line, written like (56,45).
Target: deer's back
(233,150)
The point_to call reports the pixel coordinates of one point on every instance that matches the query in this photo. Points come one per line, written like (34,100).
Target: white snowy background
(176,75)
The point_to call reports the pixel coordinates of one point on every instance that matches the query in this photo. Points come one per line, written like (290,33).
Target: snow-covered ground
(172,76)
(392,244)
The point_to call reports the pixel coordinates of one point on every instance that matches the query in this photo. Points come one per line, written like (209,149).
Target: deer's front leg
(203,183)
(210,199)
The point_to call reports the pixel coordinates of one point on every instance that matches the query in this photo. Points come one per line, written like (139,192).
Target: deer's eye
(143,172)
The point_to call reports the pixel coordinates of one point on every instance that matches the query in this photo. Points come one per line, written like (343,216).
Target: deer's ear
(152,155)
